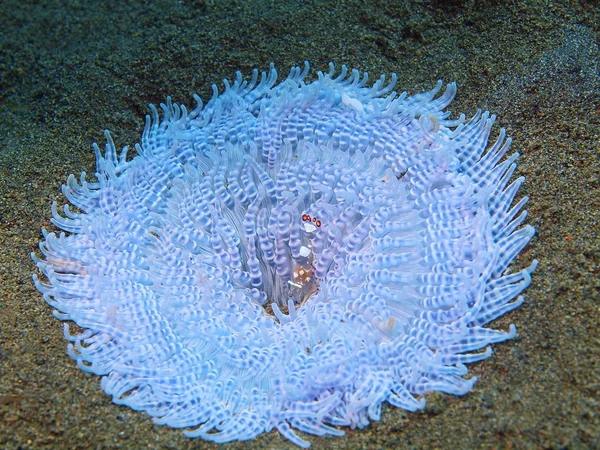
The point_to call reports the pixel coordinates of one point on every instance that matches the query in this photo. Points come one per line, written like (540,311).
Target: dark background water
(70,69)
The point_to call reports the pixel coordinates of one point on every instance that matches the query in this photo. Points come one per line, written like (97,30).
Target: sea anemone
(289,256)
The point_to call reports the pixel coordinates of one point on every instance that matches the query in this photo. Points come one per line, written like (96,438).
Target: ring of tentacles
(289,256)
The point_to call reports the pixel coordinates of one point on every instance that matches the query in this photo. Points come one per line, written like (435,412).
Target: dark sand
(69,70)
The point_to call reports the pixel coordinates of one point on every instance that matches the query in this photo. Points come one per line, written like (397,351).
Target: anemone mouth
(289,256)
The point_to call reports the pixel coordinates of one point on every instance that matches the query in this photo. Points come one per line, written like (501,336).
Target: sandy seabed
(69,70)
